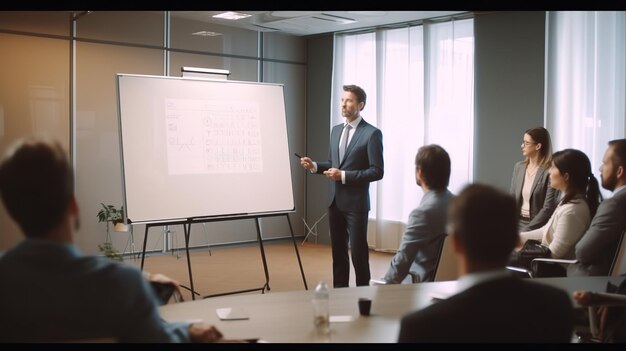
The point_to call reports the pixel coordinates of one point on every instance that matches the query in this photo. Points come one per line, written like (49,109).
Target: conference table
(287,317)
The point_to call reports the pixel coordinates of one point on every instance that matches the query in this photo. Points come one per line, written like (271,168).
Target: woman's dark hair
(581,180)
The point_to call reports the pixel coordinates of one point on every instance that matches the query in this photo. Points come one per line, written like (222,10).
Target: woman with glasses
(530,183)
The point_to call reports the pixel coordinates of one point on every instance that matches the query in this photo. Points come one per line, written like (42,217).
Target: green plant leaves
(109,213)
(109,251)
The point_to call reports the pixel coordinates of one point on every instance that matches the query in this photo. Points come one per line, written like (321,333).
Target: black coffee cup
(365,305)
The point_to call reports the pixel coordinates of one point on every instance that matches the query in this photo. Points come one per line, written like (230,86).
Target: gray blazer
(596,249)
(363,163)
(422,239)
(543,197)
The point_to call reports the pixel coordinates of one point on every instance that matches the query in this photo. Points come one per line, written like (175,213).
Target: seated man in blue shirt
(426,227)
(50,291)
(491,305)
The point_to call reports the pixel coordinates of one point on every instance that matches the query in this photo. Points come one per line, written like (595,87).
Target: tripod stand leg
(207,238)
(187,230)
(295,246)
(260,237)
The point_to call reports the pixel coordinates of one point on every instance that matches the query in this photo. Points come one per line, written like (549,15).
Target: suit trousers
(348,231)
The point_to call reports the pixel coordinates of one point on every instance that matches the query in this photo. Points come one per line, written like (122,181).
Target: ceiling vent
(264,28)
(303,24)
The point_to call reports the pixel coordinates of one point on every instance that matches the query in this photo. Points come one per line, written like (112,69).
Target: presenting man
(355,158)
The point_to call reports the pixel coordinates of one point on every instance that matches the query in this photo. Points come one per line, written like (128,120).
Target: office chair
(618,266)
(165,292)
(415,278)
(447,266)
(412,275)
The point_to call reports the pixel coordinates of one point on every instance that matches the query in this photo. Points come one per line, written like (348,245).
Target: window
(585,81)
(419,85)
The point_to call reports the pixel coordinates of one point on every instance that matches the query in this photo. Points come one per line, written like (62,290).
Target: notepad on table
(232,313)
(334,319)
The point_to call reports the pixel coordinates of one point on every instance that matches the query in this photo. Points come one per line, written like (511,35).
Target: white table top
(287,317)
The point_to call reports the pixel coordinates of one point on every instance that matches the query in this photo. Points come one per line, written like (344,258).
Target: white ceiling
(304,23)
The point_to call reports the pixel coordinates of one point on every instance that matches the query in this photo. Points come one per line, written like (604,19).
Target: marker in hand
(306,165)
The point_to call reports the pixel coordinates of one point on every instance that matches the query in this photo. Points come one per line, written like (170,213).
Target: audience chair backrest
(447,266)
(414,277)
(619,262)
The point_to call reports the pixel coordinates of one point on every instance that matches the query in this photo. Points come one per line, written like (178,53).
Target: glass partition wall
(59,71)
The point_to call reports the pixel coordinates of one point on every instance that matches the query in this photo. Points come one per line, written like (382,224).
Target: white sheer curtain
(419,85)
(585,97)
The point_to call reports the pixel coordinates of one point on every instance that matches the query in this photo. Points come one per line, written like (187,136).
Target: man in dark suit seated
(491,305)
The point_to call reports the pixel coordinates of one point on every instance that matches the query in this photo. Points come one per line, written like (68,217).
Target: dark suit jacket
(363,163)
(507,309)
(596,249)
(543,197)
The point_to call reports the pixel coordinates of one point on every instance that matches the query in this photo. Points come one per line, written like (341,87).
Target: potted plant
(111,214)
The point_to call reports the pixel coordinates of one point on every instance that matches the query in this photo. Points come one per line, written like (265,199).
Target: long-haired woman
(571,175)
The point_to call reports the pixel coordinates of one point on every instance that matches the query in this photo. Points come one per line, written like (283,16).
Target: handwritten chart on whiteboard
(194,148)
(213,137)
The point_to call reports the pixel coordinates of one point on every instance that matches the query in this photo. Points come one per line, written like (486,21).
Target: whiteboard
(194,148)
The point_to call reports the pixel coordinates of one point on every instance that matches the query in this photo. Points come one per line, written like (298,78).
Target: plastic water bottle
(320,308)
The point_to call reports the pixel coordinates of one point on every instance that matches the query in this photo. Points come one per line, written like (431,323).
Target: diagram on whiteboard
(212,137)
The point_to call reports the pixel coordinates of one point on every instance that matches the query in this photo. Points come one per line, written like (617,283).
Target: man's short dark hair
(434,162)
(619,151)
(36,184)
(485,221)
(358,92)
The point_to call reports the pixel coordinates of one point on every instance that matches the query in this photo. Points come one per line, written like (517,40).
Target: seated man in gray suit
(596,249)
(426,227)
(51,292)
(491,305)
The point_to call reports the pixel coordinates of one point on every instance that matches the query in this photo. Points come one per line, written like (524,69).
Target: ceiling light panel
(230,15)
(206,33)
